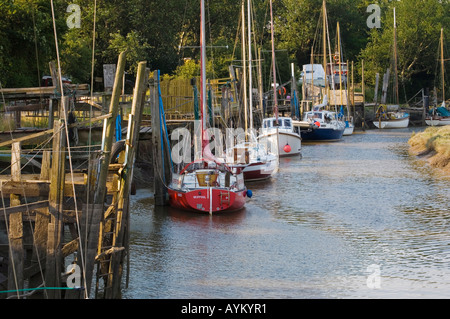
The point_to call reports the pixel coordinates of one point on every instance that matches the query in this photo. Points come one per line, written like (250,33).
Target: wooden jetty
(64,231)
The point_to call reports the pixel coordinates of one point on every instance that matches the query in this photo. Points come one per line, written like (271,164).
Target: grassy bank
(434,144)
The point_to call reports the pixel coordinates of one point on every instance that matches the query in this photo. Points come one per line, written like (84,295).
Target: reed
(434,143)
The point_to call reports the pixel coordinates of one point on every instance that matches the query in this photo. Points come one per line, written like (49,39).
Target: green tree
(418,27)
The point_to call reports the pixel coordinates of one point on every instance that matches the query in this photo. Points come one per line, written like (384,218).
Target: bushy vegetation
(166,34)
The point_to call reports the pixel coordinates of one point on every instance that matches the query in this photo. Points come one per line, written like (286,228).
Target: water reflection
(310,232)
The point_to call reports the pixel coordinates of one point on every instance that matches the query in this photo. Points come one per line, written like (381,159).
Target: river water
(359,218)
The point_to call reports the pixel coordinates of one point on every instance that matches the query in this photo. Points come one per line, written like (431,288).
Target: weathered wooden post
(40,231)
(122,212)
(16,256)
(159,187)
(93,210)
(53,262)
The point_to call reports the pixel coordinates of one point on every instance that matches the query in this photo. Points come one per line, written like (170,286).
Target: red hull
(200,200)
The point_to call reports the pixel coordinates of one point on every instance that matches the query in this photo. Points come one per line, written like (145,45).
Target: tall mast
(244,66)
(442,64)
(202,69)
(250,92)
(395,62)
(324,44)
(340,61)
(273,66)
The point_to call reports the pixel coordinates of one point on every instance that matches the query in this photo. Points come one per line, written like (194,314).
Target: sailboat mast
(244,67)
(202,68)
(395,62)
(340,62)
(250,92)
(442,64)
(275,106)
(324,40)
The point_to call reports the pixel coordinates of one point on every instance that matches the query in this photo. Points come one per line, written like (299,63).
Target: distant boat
(327,126)
(261,164)
(284,135)
(349,126)
(438,116)
(391,117)
(279,130)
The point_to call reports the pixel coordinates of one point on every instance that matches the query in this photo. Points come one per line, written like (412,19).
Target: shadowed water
(316,230)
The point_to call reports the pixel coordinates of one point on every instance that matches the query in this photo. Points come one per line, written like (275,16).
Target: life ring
(284,90)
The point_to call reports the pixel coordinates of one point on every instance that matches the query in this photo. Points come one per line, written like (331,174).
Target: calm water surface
(359,218)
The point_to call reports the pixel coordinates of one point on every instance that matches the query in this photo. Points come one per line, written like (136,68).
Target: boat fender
(317,123)
(287,148)
(249,193)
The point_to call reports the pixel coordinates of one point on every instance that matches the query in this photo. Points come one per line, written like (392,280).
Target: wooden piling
(112,289)
(93,212)
(160,191)
(16,255)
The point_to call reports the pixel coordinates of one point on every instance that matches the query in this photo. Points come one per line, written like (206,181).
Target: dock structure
(64,231)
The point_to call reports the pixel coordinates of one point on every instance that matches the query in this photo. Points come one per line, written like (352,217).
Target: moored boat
(207,184)
(281,131)
(390,117)
(327,126)
(438,116)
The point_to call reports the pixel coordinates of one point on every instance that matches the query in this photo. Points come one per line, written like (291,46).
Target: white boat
(438,117)
(349,126)
(391,117)
(278,133)
(282,138)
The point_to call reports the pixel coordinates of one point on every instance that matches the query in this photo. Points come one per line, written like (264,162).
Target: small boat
(390,117)
(288,139)
(327,126)
(260,163)
(438,116)
(349,127)
(277,133)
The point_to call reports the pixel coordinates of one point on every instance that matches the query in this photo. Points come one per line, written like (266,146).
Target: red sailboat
(208,184)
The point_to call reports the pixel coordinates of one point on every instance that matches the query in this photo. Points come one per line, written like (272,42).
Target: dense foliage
(166,35)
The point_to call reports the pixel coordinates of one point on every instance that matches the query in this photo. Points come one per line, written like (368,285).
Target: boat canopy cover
(442,111)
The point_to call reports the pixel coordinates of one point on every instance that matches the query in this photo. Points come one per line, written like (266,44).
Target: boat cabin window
(318,115)
(287,123)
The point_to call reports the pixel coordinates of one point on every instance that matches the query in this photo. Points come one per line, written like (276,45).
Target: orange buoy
(287,148)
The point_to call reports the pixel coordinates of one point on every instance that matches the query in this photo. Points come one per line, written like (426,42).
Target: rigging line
(63,103)
(90,125)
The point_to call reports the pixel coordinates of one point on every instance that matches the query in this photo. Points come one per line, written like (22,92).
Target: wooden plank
(51,131)
(25,207)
